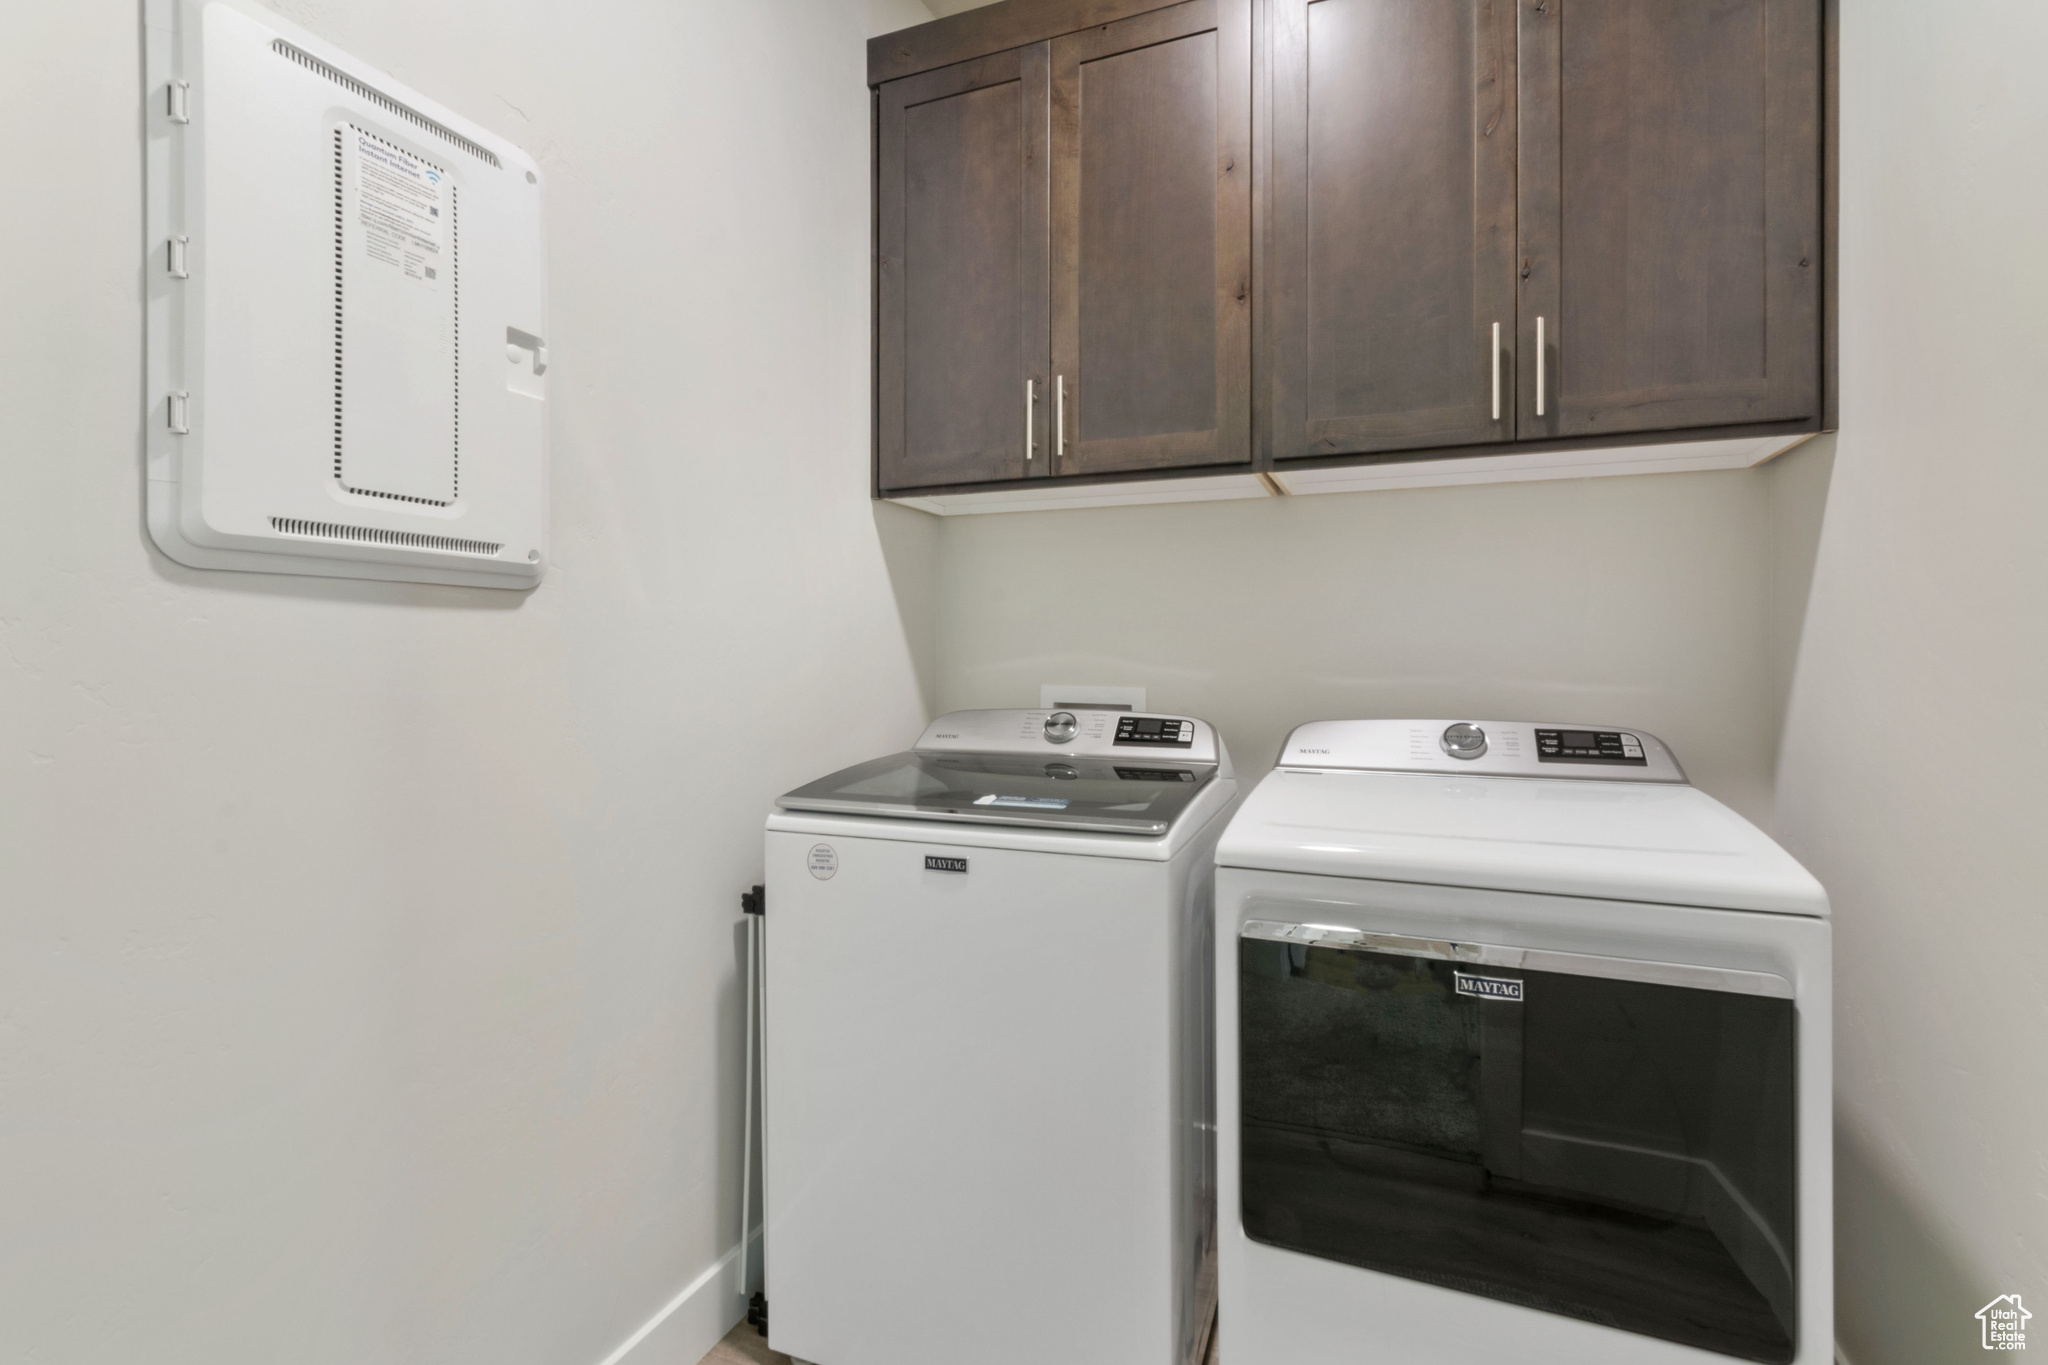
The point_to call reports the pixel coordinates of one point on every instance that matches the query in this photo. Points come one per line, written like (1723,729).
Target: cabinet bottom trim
(1538,465)
(1054,496)
(1520,467)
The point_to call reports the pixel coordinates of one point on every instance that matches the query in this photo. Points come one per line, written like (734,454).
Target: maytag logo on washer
(934,863)
(823,861)
(1488,987)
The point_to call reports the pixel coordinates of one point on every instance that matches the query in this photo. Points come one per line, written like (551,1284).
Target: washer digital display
(1155,731)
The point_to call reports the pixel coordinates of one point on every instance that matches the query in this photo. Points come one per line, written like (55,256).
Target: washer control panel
(1074,732)
(1590,746)
(1158,731)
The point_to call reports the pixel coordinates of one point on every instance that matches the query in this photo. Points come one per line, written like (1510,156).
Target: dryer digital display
(1589,746)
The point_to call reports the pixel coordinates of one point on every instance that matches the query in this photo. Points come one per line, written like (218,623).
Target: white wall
(367,952)
(1915,745)
(1643,600)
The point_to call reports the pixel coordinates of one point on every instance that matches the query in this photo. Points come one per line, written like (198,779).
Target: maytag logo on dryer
(1488,987)
(934,863)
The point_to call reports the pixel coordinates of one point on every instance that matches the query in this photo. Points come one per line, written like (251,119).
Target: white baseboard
(691,1323)
(694,1321)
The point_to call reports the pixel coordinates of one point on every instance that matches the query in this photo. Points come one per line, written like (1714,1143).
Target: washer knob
(1061,726)
(1464,741)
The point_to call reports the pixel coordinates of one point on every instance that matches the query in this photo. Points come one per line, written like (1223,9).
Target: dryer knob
(1464,741)
(1061,726)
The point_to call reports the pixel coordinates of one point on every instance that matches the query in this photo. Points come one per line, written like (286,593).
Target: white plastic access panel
(347,350)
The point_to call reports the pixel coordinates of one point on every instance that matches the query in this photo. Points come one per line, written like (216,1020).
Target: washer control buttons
(1155,730)
(1061,726)
(1464,741)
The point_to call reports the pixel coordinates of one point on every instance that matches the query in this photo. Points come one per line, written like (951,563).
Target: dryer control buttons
(1590,746)
(1464,741)
(1061,726)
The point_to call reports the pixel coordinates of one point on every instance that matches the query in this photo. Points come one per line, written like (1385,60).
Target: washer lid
(1659,842)
(1140,793)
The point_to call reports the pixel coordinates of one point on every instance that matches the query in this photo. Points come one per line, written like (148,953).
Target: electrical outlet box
(347,316)
(1065,695)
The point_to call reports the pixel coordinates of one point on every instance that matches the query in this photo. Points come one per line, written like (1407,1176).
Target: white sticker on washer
(823,862)
(1030,802)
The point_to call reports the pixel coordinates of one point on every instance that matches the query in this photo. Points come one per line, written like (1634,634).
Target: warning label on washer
(823,861)
(402,204)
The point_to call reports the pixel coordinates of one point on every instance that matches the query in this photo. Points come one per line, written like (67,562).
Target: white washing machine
(988,1122)
(1523,1055)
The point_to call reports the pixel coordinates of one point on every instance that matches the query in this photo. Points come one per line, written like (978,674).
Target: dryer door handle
(1728,979)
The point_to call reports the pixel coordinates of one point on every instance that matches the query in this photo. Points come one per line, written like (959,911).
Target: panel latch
(519,345)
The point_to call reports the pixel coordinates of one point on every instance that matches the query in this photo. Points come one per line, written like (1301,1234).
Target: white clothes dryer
(1524,1054)
(988,1122)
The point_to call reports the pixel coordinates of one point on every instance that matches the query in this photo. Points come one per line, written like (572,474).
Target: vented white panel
(348,368)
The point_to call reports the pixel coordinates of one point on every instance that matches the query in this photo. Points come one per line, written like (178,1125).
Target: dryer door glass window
(1612,1150)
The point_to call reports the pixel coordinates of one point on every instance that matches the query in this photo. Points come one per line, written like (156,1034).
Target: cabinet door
(1670,219)
(1391,264)
(1151,254)
(961,240)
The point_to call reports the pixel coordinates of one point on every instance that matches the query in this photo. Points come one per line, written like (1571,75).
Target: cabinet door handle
(1496,372)
(1059,410)
(1539,366)
(1030,406)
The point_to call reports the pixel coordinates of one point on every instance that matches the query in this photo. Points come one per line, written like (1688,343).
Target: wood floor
(744,1346)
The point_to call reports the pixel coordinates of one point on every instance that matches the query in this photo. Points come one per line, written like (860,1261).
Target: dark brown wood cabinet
(960,261)
(1391,258)
(1086,268)
(1151,241)
(1670,214)
(1064,254)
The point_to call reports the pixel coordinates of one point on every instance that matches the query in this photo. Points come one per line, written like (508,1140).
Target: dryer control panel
(1590,746)
(1491,748)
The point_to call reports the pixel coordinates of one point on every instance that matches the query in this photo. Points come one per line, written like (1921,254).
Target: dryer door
(1611,1140)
